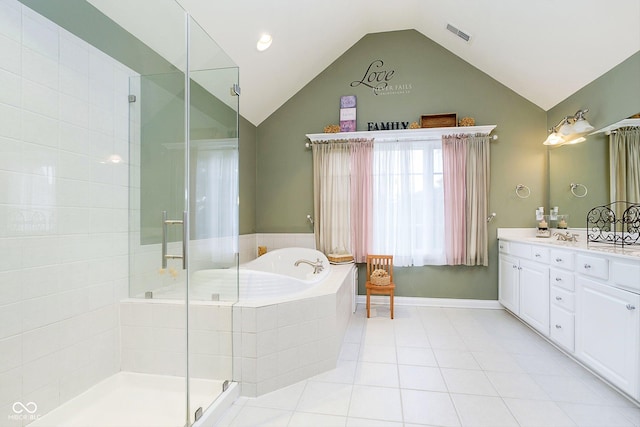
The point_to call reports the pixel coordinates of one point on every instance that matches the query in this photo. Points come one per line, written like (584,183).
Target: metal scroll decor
(617,223)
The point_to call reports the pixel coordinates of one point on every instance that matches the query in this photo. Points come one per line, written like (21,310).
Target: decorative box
(439,120)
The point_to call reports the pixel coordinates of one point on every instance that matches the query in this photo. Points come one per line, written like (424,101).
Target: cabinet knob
(631,307)
(514,266)
(558,298)
(538,255)
(519,268)
(558,259)
(501,247)
(558,326)
(587,266)
(558,279)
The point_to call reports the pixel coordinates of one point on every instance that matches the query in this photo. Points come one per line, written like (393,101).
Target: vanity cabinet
(562,302)
(562,309)
(534,295)
(508,283)
(608,332)
(586,302)
(523,286)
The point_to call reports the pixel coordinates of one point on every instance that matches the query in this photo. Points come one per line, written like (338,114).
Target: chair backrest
(383,262)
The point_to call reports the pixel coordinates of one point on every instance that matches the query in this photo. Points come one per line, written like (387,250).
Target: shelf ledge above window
(404,134)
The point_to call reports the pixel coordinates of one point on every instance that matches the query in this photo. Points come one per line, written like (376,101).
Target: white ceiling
(545,50)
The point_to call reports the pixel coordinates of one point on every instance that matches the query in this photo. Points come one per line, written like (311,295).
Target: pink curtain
(454,160)
(361,204)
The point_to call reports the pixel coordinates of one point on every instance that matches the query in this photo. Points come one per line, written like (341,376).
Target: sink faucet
(317,265)
(568,237)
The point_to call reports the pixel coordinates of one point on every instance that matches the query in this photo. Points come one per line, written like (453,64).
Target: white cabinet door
(508,292)
(608,332)
(534,295)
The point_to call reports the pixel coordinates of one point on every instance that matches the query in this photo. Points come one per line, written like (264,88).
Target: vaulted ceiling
(544,50)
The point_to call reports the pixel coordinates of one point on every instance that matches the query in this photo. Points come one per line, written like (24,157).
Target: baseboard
(433,302)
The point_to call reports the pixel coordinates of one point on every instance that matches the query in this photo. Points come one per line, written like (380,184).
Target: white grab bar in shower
(165,223)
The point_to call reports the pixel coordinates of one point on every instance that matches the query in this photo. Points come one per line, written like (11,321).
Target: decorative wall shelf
(404,134)
(622,123)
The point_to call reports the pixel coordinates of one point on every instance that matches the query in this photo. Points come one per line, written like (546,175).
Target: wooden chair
(375,262)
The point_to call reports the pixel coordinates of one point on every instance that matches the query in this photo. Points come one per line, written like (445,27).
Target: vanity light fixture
(264,42)
(554,138)
(570,130)
(580,124)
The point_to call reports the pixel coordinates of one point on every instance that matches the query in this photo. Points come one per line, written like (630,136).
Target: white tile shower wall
(63,210)
(154,340)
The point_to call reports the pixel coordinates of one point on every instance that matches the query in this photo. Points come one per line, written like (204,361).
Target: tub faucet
(317,265)
(568,237)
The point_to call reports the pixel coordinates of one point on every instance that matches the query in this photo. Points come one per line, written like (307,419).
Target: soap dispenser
(543,223)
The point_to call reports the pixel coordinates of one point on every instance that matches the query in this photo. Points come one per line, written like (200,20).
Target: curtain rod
(404,134)
(378,140)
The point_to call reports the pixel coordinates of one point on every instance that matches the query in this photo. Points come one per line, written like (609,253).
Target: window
(408,202)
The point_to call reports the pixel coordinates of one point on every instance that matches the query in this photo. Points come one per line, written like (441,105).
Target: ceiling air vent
(464,36)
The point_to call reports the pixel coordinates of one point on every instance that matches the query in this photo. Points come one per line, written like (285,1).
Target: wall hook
(491,217)
(310,219)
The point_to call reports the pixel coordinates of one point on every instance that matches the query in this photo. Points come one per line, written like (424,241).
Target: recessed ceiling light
(264,42)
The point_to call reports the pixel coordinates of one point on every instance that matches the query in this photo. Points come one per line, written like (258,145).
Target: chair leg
(368,303)
(391,297)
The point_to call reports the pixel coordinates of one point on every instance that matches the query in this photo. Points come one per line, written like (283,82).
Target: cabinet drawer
(563,298)
(562,279)
(592,266)
(520,250)
(562,259)
(562,328)
(626,275)
(540,254)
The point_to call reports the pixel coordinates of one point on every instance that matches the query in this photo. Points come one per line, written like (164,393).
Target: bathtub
(287,325)
(273,275)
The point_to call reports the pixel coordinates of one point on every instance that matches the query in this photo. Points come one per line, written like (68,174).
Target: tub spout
(317,265)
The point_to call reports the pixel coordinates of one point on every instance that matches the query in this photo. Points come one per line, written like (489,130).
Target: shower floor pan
(132,399)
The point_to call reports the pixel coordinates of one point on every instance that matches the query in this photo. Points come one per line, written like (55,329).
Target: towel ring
(519,192)
(573,190)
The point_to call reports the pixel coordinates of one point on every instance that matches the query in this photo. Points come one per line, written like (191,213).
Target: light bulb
(264,42)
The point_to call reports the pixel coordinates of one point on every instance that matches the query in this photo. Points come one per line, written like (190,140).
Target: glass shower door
(154,344)
(184,219)
(213,248)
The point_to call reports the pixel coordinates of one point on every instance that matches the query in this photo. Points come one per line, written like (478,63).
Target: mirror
(587,166)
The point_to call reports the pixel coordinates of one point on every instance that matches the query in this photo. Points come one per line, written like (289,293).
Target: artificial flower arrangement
(467,121)
(380,277)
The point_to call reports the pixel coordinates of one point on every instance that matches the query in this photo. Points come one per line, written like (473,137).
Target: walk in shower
(118,180)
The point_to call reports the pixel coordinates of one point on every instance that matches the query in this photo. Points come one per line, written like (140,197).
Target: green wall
(440,82)
(247,172)
(610,98)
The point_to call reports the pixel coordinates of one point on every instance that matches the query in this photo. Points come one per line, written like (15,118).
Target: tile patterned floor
(441,367)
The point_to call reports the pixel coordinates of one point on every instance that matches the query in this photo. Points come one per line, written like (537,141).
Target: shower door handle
(165,223)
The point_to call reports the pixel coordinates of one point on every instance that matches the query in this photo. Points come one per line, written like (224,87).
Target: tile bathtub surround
(63,210)
(493,371)
(278,344)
